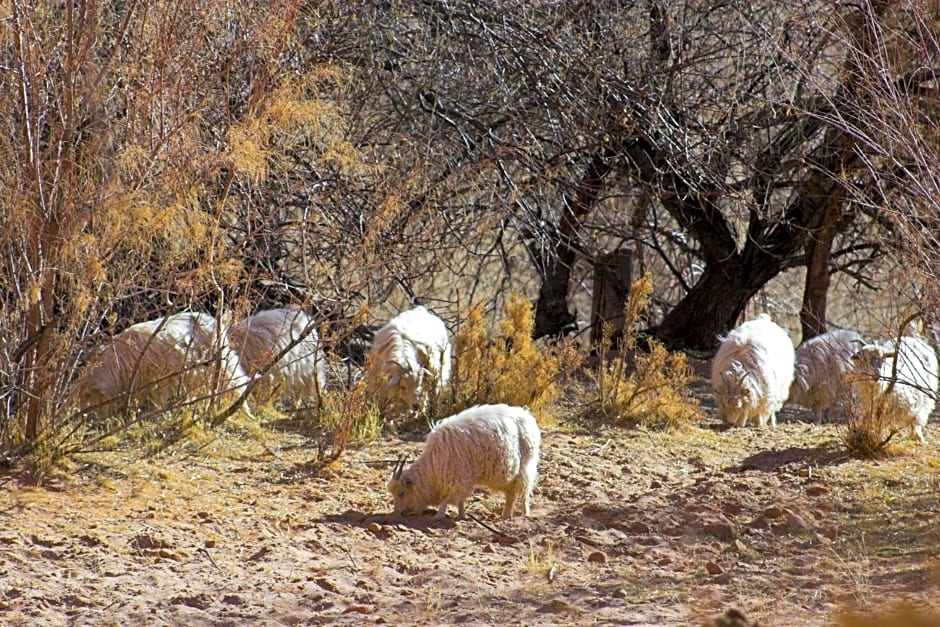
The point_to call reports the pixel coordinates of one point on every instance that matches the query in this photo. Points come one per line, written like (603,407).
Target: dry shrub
(509,368)
(647,389)
(339,419)
(872,418)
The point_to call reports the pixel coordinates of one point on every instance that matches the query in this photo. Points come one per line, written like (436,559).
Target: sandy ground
(628,528)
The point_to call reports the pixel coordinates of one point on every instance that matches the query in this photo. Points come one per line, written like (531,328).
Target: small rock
(638,527)
(831,532)
(664,561)
(586,540)
(358,609)
(619,593)
(713,568)
(170,555)
(327,585)
(374,527)
(774,511)
(558,605)
(780,529)
(507,540)
(488,548)
(796,522)
(209,544)
(721,529)
(739,546)
(817,490)
(597,557)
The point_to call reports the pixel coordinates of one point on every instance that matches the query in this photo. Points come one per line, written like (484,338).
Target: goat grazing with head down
(300,373)
(823,364)
(409,355)
(182,357)
(496,446)
(752,372)
(909,369)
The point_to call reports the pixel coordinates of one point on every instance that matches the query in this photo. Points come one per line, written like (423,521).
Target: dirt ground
(628,528)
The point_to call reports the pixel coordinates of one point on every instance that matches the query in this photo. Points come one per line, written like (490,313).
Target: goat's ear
(392,381)
(408,481)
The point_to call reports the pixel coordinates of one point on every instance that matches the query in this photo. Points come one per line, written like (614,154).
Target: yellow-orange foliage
(509,367)
(648,389)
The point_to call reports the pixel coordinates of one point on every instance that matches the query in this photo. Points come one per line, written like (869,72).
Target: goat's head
(869,359)
(403,490)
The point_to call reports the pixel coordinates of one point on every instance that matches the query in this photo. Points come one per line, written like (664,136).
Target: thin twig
(487,526)
(351,558)
(211,559)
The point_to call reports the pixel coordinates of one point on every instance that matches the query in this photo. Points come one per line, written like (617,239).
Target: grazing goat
(915,375)
(300,372)
(181,357)
(822,363)
(410,350)
(752,372)
(496,446)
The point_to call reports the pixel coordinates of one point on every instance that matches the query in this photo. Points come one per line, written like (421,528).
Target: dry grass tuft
(340,418)
(872,419)
(647,389)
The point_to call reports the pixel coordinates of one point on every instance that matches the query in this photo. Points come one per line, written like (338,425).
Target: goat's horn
(399,466)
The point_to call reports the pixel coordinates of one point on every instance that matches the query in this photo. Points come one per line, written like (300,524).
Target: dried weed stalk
(647,389)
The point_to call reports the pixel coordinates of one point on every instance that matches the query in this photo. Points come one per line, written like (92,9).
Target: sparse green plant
(647,389)
(509,367)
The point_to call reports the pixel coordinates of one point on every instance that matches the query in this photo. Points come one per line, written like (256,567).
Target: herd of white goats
(755,371)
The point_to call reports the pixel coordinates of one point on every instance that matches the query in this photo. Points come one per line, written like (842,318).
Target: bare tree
(735,124)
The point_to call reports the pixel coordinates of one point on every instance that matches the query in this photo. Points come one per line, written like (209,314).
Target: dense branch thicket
(353,157)
(727,141)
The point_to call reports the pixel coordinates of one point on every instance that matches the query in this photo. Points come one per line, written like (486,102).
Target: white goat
(822,363)
(752,372)
(916,375)
(180,357)
(496,446)
(300,372)
(410,349)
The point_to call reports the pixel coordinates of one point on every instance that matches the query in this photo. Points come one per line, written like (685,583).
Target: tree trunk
(816,288)
(552,317)
(613,275)
(703,314)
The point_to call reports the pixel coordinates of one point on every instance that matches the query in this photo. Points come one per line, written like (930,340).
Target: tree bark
(816,288)
(552,316)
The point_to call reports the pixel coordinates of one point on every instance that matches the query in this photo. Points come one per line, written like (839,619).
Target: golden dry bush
(509,367)
(637,388)
(872,418)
